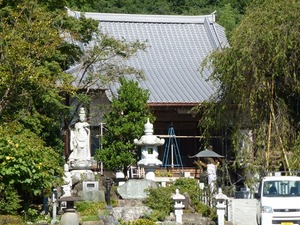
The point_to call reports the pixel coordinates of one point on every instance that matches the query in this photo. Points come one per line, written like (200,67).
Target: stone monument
(149,158)
(80,158)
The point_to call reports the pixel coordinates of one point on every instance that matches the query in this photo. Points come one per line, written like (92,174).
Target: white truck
(278,200)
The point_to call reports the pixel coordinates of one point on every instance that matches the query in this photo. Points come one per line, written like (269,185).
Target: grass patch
(89,211)
(90,218)
(104,212)
(10,220)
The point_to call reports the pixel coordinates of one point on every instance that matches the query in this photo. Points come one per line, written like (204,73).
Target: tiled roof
(176,47)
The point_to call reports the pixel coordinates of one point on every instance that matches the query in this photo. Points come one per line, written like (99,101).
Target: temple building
(175,48)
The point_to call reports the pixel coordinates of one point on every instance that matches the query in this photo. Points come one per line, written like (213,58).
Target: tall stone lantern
(149,153)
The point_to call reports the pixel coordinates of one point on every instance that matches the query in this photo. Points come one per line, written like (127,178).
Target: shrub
(10,220)
(163,174)
(191,186)
(9,200)
(205,210)
(89,208)
(160,201)
(157,215)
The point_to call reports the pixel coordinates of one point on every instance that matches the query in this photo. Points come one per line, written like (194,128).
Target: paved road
(244,211)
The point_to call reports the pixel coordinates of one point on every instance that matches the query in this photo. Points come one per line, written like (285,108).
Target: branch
(4,100)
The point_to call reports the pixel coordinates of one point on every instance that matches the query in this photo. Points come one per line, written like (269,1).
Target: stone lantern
(221,206)
(70,216)
(178,205)
(149,157)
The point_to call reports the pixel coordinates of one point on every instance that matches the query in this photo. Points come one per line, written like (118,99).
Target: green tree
(124,123)
(239,5)
(29,100)
(28,168)
(121,6)
(259,86)
(33,56)
(105,62)
(161,7)
(228,17)
(39,42)
(97,66)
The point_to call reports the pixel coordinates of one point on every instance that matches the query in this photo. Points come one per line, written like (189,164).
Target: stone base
(130,213)
(135,188)
(92,196)
(70,217)
(80,164)
(82,175)
(150,173)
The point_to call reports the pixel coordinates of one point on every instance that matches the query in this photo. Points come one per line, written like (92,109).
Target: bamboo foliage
(259,85)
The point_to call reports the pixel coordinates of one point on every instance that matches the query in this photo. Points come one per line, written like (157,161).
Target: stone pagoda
(149,153)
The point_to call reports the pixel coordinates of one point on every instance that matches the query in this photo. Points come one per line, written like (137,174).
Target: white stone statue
(67,181)
(80,139)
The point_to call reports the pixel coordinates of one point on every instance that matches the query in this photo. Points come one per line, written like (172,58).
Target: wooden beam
(168,136)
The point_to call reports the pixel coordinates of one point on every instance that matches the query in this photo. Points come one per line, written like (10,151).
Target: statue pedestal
(82,175)
(80,164)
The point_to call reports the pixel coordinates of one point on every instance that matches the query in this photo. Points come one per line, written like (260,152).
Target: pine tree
(124,123)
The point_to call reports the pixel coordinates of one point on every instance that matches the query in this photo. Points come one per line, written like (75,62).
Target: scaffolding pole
(172,157)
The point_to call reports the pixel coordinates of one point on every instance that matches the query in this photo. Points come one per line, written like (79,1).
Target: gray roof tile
(176,47)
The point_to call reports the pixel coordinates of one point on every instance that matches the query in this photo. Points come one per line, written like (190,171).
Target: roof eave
(173,104)
(114,17)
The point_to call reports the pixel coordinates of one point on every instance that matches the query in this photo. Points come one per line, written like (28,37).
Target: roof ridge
(211,34)
(143,18)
